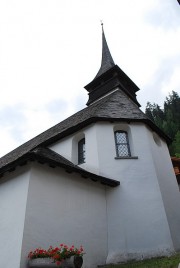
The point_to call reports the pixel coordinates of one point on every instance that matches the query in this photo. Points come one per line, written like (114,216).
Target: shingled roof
(107,61)
(53,159)
(114,107)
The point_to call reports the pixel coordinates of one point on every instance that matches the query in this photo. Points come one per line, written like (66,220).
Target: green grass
(163,262)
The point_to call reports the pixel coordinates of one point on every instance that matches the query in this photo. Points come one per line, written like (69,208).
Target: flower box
(72,262)
(42,262)
(62,256)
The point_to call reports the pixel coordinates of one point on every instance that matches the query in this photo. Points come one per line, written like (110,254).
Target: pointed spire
(107,60)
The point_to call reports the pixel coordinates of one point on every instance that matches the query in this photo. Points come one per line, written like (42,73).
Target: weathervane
(101,24)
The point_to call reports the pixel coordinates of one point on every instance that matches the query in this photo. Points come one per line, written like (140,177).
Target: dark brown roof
(175,159)
(114,107)
(176,164)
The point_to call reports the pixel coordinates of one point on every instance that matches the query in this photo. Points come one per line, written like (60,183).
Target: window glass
(122,144)
(81,151)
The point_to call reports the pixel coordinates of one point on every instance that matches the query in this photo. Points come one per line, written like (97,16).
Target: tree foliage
(167,119)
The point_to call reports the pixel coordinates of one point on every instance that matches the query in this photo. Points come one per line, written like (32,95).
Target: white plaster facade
(139,211)
(43,206)
(65,208)
(13,198)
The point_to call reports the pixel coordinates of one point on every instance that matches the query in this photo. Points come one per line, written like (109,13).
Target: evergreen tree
(176,144)
(167,119)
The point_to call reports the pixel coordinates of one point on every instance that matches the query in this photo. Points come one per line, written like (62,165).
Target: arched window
(81,151)
(122,144)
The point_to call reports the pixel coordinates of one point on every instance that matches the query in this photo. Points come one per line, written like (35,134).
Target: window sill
(126,157)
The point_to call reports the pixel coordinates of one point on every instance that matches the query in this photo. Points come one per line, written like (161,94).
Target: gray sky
(50,49)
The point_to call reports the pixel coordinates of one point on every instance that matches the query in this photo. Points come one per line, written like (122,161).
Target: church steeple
(107,61)
(109,78)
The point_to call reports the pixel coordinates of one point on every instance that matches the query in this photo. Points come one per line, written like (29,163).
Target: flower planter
(42,263)
(73,262)
(67,263)
(78,261)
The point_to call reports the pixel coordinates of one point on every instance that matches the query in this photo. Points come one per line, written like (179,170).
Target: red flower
(58,254)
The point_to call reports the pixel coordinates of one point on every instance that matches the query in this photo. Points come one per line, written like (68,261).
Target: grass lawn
(164,262)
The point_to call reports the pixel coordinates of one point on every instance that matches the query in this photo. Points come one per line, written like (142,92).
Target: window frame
(118,155)
(81,151)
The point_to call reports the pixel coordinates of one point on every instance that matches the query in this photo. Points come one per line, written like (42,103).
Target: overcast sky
(50,49)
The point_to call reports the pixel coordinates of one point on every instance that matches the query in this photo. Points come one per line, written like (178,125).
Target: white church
(102,178)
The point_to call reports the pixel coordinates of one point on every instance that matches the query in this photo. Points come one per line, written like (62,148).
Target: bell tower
(109,78)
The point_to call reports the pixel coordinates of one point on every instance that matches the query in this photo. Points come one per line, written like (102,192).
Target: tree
(167,119)
(176,144)
(154,112)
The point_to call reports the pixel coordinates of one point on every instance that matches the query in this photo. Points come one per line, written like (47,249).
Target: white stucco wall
(65,208)
(137,211)
(68,147)
(64,146)
(168,185)
(13,196)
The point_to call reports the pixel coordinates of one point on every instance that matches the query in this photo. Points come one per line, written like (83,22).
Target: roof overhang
(47,156)
(92,120)
(109,80)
